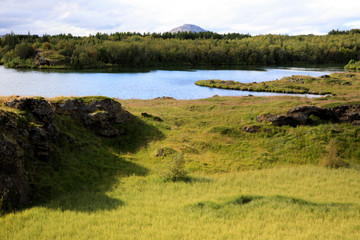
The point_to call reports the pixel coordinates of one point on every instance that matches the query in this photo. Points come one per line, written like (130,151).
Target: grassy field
(281,203)
(270,184)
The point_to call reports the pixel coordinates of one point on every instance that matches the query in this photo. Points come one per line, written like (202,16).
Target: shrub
(24,50)
(175,171)
(332,158)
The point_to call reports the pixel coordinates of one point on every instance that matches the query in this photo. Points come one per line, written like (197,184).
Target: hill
(188,28)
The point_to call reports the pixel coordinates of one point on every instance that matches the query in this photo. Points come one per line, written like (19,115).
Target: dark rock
(40,111)
(286,120)
(14,187)
(98,115)
(350,75)
(325,76)
(347,113)
(252,129)
(160,152)
(146,115)
(99,122)
(164,98)
(40,143)
(303,115)
(32,131)
(38,107)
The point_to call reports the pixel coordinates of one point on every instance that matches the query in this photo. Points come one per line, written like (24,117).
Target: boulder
(252,129)
(349,113)
(99,123)
(40,111)
(98,115)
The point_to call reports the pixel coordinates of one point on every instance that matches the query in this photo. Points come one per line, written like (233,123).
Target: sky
(84,17)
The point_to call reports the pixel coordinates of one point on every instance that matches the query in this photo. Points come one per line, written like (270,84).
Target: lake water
(143,84)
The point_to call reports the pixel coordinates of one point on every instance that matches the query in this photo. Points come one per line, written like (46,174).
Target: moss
(86,99)
(89,99)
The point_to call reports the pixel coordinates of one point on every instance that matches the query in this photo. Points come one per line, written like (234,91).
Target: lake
(141,83)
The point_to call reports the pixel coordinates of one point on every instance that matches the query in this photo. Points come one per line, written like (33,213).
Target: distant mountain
(188,28)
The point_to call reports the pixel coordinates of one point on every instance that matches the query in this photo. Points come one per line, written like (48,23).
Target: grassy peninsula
(353,65)
(337,84)
(244,178)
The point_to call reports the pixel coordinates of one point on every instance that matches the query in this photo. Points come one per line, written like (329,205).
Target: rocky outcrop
(349,113)
(28,130)
(14,189)
(98,115)
(48,58)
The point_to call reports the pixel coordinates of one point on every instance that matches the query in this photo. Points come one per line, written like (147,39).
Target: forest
(104,50)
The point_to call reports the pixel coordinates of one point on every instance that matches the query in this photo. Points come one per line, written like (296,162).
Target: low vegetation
(337,84)
(228,175)
(353,65)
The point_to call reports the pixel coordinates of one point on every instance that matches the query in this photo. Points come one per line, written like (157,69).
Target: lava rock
(252,129)
(14,186)
(98,115)
(349,113)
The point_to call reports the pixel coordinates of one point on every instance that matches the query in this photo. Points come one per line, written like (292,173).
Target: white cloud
(81,17)
(353,24)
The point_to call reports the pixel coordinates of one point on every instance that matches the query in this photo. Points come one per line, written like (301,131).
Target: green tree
(24,50)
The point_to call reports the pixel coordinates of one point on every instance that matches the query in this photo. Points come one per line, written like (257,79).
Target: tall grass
(278,203)
(332,158)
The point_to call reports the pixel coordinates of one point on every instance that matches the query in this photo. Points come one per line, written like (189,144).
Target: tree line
(176,49)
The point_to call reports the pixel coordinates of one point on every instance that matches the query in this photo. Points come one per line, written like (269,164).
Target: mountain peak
(188,28)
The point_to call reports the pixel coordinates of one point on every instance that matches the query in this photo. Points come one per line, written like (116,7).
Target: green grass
(337,83)
(265,185)
(210,134)
(353,65)
(86,99)
(279,203)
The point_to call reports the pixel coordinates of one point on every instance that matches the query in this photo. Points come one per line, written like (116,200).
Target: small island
(353,65)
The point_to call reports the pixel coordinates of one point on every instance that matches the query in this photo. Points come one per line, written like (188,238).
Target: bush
(332,158)
(175,171)
(24,50)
